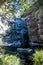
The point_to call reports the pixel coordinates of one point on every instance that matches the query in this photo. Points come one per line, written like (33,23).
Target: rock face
(40,27)
(16,34)
(32,28)
(35,27)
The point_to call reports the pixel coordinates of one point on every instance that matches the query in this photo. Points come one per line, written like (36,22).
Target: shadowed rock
(17,34)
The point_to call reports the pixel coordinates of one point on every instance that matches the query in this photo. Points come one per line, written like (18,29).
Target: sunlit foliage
(10,60)
(38,58)
(15,7)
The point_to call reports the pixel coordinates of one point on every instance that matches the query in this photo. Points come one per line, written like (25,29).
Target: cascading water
(3,28)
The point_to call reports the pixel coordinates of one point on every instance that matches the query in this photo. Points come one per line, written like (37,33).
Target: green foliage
(15,7)
(24,4)
(10,60)
(6,8)
(40,1)
(38,57)
(1,63)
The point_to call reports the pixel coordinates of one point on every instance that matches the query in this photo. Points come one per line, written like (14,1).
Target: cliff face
(35,27)
(34,20)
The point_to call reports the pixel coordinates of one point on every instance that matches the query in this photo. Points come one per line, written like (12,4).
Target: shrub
(38,57)
(11,60)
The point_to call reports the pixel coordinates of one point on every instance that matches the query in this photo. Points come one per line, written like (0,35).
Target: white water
(3,27)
